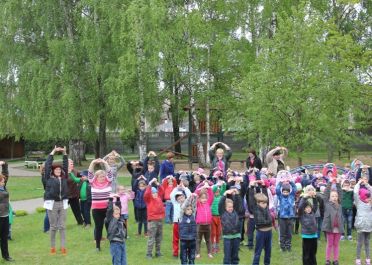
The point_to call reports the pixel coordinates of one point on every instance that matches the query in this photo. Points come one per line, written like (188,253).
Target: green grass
(31,246)
(22,188)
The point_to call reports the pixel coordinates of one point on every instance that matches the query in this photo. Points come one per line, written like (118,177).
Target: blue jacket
(287,203)
(166,169)
(139,201)
(187,227)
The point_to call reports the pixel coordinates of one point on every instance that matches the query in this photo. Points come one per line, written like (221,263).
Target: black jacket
(230,221)
(262,216)
(256,163)
(309,224)
(187,227)
(55,188)
(116,231)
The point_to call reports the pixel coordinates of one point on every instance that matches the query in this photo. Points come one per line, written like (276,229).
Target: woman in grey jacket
(363,220)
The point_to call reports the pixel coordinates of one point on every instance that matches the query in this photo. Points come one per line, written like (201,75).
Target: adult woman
(253,161)
(219,155)
(101,188)
(55,197)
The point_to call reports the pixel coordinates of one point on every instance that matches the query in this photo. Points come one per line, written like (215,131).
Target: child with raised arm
(363,219)
(347,207)
(100,182)
(124,196)
(140,204)
(177,196)
(218,190)
(228,210)
(307,208)
(115,167)
(286,193)
(169,183)
(333,223)
(116,231)
(155,213)
(204,216)
(151,166)
(187,230)
(259,206)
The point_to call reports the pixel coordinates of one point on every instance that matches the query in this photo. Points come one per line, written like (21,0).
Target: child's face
(229,207)
(142,187)
(346,186)
(111,160)
(262,204)
(121,190)
(203,198)
(170,182)
(197,178)
(308,209)
(330,175)
(150,168)
(2,182)
(180,199)
(219,154)
(116,214)
(155,195)
(285,193)
(333,197)
(188,210)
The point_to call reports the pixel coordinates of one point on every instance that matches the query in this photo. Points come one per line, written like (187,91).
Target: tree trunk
(176,117)
(199,145)
(102,120)
(299,150)
(330,150)
(77,151)
(208,136)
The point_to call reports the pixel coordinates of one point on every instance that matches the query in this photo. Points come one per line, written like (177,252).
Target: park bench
(34,159)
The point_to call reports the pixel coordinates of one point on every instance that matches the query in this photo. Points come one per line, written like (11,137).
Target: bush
(20,213)
(40,210)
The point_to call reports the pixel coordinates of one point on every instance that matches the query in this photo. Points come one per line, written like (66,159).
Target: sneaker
(210,256)
(197,256)
(335,262)
(349,238)
(250,247)
(368,261)
(328,262)
(342,238)
(98,249)
(358,262)
(9,259)
(148,256)
(63,251)
(52,251)
(158,255)
(146,234)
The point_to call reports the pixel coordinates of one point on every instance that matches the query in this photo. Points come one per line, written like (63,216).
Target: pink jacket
(203,210)
(124,201)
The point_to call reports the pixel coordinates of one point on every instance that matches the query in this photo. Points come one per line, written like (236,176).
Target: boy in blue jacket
(286,194)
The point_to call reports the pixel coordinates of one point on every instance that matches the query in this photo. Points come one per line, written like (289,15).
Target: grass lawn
(22,188)
(31,246)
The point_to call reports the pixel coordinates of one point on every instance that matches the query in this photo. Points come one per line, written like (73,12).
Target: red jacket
(168,189)
(155,207)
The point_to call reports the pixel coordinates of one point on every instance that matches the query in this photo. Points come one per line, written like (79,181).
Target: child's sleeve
(327,191)
(48,166)
(356,195)
(251,200)
(173,196)
(147,195)
(161,192)
(121,163)
(301,206)
(294,188)
(210,195)
(110,210)
(279,189)
(221,205)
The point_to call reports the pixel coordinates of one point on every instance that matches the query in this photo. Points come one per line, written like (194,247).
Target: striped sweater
(100,190)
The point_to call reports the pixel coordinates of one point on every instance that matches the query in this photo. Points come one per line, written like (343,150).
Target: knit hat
(178,193)
(154,190)
(364,194)
(286,187)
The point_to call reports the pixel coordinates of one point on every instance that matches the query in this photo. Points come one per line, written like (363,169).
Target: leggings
(333,241)
(99,216)
(57,220)
(363,237)
(206,231)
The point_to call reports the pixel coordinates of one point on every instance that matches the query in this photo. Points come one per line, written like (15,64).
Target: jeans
(46,222)
(118,253)
(57,220)
(85,211)
(251,228)
(187,253)
(320,222)
(231,250)
(348,220)
(286,227)
(263,241)
(168,212)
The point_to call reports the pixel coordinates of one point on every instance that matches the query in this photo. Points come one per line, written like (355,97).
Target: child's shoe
(210,255)
(158,255)
(197,256)
(328,262)
(63,251)
(217,248)
(52,251)
(146,234)
(335,262)
(368,261)
(349,238)
(358,262)
(342,238)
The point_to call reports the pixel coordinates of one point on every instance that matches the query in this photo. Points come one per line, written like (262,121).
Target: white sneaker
(350,238)
(342,238)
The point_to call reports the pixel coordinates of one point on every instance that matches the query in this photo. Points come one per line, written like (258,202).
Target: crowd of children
(212,208)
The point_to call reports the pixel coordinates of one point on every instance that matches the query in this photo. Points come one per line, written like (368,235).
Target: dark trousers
(263,241)
(4,230)
(187,253)
(85,211)
(286,226)
(141,219)
(309,248)
(99,216)
(348,220)
(231,250)
(75,207)
(251,228)
(46,222)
